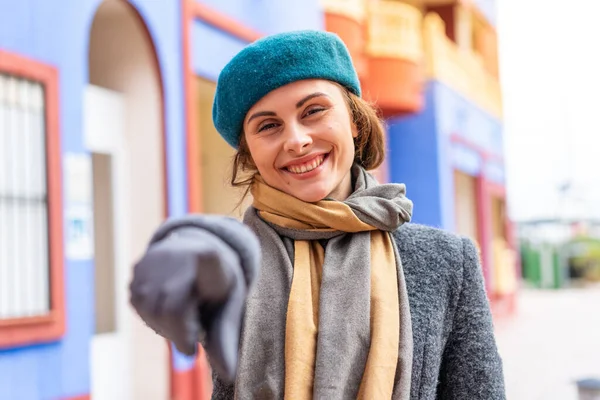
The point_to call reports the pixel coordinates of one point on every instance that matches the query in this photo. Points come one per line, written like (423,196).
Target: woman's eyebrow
(310,96)
(261,114)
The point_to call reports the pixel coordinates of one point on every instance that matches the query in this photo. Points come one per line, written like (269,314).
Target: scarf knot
(370,207)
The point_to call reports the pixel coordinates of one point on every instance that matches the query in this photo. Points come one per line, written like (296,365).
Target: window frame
(50,327)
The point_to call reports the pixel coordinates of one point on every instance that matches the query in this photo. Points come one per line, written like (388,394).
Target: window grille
(24,255)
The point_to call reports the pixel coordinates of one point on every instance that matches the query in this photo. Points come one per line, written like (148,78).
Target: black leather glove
(192,283)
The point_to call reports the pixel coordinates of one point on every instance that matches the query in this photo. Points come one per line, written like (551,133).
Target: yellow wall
(465,205)
(218,196)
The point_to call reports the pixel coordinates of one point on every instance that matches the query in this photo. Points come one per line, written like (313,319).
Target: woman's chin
(310,194)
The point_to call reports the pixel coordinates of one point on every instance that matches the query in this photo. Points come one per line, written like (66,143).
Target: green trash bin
(530,264)
(542,265)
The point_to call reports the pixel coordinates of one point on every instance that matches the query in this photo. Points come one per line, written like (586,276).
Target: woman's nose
(297,139)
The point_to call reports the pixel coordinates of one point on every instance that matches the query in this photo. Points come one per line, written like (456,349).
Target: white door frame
(104,125)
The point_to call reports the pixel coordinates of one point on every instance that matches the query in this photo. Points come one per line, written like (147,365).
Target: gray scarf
(344,323)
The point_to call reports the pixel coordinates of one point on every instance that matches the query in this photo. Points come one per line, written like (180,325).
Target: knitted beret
(272,62)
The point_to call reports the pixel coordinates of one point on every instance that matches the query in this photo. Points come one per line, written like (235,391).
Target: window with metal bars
(24,264)
(32,307)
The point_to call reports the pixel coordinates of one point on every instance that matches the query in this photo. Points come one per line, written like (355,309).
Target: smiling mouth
(309,166)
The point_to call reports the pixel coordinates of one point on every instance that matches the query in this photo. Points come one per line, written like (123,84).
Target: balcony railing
(394,30)
(463,70)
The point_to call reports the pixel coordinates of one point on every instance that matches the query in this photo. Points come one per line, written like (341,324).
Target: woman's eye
(314,111)
(267,127)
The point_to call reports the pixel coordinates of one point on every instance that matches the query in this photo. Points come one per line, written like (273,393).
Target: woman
(325,291)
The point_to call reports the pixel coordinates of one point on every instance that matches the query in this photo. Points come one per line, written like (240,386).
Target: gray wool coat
(455,355)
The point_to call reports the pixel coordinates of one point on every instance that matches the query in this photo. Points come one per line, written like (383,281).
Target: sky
(550,75)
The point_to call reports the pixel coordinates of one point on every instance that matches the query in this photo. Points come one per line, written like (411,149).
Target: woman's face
(300,137)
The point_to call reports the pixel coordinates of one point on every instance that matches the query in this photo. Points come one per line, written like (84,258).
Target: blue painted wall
(422,156)
(272,16)
(458,116)
(413,160)
(57,33)
(212,48)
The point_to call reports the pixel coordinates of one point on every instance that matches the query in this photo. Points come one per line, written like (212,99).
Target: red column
(190,384)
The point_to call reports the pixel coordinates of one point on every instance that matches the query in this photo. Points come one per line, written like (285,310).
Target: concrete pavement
(552,341)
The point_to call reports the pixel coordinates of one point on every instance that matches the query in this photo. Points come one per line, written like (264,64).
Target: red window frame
(50,327)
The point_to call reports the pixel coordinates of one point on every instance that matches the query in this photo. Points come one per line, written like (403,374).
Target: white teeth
(306,167)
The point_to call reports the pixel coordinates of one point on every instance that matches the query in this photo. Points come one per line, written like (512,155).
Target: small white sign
(80,233)
(79,243)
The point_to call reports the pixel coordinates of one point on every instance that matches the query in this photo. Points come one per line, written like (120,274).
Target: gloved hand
(194,283)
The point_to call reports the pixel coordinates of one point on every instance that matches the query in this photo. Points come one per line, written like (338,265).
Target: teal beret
(272,62)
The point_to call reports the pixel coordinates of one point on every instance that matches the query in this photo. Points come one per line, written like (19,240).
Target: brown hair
(369,145)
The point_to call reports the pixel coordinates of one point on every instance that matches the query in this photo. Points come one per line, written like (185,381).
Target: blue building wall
(271,16)
(422,156)
(57,33)
(212,48)
(413,160)
(459,116)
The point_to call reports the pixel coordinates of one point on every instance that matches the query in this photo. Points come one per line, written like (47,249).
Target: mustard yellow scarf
(343,316)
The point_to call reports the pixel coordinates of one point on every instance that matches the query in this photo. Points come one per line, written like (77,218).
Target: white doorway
(124,132)
(110,364)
